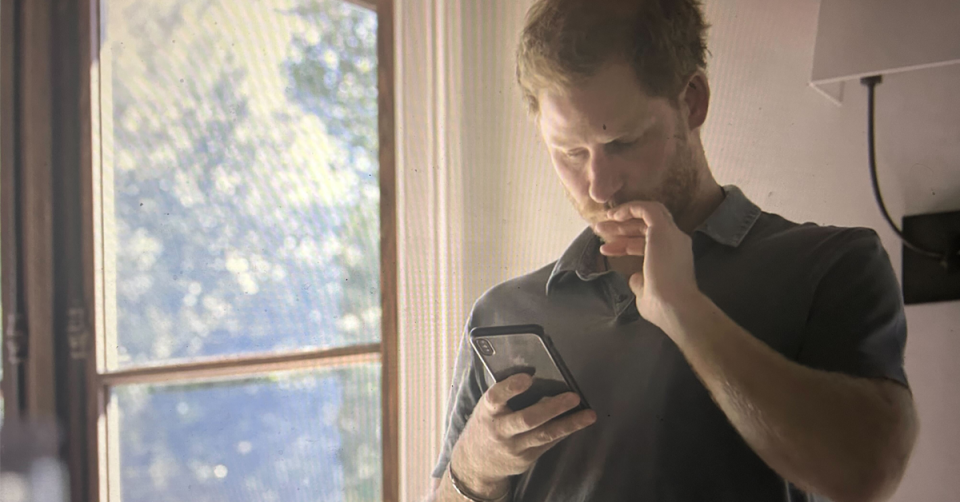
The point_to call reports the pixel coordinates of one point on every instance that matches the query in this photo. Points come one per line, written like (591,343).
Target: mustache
(619,200)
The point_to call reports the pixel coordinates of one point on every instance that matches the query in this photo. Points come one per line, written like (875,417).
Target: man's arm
(843,437)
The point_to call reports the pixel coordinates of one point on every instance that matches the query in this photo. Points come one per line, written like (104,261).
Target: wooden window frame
(53,252)
(9,216)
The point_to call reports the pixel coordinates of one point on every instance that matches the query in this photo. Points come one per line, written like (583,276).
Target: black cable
(871,83)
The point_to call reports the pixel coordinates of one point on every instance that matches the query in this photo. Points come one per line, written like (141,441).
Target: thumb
(636,284)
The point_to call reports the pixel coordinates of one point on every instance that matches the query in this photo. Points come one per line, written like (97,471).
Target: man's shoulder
(520,292)
(820,246)
(771,228)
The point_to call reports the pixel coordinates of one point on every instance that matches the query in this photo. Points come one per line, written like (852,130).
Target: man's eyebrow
(557,141)
(634,129)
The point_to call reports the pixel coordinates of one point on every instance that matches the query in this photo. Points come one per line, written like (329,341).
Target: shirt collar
(580,257)
(732,220)
(729,224)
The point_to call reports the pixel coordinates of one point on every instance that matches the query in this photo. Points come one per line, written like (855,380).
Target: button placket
(620,296)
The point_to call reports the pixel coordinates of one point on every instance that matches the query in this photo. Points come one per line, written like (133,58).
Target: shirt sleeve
(856,323)
(465,392)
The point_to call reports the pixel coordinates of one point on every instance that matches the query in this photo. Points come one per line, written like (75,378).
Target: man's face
(611,143)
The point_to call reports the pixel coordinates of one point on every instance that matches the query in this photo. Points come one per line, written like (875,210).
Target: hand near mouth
(646,229)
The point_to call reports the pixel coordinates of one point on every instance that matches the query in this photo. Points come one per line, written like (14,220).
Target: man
(728,354)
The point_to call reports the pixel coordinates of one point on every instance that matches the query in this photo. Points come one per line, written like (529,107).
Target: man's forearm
(828,433)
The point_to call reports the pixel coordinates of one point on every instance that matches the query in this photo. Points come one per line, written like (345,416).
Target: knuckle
(484,412)
(512,448)
(527,422)
(486,400)
(492,401)
(546,436)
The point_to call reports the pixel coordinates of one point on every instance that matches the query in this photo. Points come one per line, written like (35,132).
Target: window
(243,337)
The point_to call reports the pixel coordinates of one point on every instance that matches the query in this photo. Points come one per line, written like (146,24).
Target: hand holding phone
(534,404)
(498,442)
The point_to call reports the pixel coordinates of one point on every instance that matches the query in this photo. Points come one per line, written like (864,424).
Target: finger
(497,396)
(589,416)
(636,284)
(635,246)
(616,248)
(556,430)
(538,414)
(653,213)
(631,227)
(535,453)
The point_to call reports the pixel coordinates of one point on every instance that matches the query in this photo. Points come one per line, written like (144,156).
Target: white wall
(518,218)
(798,155)
(791,151)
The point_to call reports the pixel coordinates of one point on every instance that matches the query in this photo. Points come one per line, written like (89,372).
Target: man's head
(619,93)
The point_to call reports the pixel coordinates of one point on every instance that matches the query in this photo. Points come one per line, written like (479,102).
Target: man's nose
(606,178)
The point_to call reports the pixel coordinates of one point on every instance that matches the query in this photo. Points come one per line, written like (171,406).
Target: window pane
(242,140)
(296,436)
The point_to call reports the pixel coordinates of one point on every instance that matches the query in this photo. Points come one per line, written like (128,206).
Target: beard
(676,190)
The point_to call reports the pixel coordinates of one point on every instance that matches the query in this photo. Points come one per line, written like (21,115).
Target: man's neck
(709,198)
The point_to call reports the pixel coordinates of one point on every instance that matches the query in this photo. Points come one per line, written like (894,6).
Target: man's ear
(695,99)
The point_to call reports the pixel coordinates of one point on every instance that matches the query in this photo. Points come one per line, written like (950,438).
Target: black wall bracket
(926,279)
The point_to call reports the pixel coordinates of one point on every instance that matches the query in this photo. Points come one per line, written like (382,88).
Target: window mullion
(366,4)
(243,366)
(389,286)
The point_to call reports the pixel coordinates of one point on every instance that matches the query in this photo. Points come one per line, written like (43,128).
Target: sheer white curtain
(430,228)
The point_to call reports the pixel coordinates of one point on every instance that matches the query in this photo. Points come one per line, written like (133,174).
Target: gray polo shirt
(825,297)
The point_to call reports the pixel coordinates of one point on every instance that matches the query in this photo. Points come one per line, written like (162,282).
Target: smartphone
(508,350)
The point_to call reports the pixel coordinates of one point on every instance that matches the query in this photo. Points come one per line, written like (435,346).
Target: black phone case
(540,388)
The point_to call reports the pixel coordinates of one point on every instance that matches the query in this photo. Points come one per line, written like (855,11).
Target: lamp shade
(858,38)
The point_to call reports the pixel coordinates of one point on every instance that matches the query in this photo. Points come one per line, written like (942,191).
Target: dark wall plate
(925,279)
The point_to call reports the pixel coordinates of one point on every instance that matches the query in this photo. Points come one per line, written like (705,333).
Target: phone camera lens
(485,347)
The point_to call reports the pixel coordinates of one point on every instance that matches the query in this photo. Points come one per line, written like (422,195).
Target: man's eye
(574,154)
